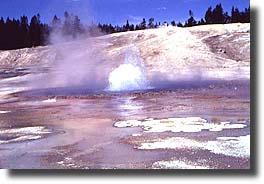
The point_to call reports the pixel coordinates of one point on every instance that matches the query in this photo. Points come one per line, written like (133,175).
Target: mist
(76,57)
(82,64)
(131,75)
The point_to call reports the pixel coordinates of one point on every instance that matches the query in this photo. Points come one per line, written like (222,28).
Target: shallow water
(74,128)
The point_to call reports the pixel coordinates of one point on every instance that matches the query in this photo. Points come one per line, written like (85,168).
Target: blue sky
(114,11)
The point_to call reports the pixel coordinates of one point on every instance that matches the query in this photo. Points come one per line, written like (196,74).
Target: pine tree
(201,22)
(131,27)
(143,24)
(179,24)
(127,26)
(173,23)
(151,23)
(34,31)
(56,23)
(191,21)
(24,32)
(218,15)
(208,16)
(235,14)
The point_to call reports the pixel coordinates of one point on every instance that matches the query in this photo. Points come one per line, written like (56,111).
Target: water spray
(130,75)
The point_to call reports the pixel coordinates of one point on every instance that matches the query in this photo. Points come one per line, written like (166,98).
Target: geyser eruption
(129,76)
(126,77)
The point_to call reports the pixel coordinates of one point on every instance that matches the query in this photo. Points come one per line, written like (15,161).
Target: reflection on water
(128,106)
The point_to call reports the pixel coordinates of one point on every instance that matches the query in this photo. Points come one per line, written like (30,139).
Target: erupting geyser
(126,77)
(130,75)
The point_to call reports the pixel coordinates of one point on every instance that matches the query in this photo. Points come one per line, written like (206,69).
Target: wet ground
(205,126)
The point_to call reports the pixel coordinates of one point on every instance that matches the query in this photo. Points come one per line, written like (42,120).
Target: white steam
(126,77)
(130,75)
(76,62)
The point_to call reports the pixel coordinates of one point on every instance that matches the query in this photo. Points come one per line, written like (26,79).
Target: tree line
(212,16)
(20,33)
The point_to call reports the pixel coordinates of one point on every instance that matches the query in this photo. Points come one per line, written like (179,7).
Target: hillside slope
(209,51)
